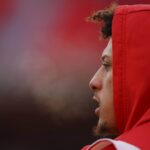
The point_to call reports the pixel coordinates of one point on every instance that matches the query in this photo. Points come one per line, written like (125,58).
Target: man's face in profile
(102,86)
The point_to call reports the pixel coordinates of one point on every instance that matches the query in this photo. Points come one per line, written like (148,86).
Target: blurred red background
(48,53)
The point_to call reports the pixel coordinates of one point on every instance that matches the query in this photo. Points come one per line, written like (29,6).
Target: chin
(105,130)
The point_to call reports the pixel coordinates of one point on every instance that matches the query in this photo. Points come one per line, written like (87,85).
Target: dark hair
(105,17)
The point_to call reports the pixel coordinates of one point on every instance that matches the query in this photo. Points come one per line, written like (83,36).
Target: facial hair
(102,130)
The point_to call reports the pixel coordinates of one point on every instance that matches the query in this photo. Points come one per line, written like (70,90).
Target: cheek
(108,85)
(107,94)
(109,79)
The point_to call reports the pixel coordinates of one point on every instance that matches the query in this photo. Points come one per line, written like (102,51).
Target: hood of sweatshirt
(131,65)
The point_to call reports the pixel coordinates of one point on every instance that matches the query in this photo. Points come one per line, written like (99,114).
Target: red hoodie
(131,76)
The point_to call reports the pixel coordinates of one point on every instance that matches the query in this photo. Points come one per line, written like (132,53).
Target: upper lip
(95,98)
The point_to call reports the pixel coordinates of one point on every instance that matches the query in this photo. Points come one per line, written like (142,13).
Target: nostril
(92,85)
(95,84)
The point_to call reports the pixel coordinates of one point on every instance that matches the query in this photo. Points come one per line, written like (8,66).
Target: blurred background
(48,54)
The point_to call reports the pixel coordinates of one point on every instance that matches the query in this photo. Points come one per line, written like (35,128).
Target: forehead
(108,50)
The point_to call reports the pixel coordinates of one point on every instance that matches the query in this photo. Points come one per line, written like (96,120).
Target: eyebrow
(102,60)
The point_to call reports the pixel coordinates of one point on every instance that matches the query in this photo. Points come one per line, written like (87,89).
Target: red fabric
(131,73)
(110,147)
(85,147)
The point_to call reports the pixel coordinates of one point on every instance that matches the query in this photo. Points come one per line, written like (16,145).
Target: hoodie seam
(123,64)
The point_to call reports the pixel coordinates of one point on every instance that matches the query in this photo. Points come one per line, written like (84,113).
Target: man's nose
(96,82)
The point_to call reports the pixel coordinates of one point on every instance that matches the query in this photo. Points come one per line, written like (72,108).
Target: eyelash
(106,66)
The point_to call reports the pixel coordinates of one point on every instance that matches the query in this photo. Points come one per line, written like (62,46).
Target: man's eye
(106,66)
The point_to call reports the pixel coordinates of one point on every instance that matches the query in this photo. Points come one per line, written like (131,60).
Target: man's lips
(96,99)
(97,110)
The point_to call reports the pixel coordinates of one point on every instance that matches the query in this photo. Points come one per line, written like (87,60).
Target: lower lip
(97,111)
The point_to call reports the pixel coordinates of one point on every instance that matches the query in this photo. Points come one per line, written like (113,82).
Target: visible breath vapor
(37,56)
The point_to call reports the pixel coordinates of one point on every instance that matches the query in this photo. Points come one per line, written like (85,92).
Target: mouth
(97,110)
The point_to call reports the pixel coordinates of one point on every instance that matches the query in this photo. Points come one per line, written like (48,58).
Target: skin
(102,86)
